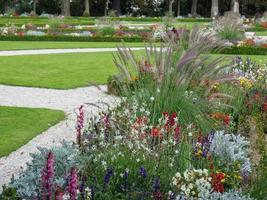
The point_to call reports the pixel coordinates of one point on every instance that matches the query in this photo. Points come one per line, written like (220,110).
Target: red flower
(155,132)
(217,182)
(264,106)
(227,119)
(171,119)
(177,132)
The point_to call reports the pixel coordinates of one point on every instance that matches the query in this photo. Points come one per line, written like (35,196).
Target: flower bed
(175,134)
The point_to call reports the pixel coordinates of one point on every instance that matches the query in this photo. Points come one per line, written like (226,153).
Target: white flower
(152,98)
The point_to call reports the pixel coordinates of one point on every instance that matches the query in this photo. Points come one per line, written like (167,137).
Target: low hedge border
(256,29)
(69,38)
(243,50)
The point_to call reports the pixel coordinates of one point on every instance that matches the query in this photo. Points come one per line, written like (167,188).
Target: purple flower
(73,184)
(108,176)
(142,172)
(47,177)
(156,185)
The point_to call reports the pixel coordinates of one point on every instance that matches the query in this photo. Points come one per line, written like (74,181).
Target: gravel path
(59,51)
(66,100)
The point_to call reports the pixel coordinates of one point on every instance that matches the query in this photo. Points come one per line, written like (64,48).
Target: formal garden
(133,100)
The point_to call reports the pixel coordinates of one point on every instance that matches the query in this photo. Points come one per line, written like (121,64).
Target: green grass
(19,125)
(261,33)
(61,71)
(64,71)
(23,45)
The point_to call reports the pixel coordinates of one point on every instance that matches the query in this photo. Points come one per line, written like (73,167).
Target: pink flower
(80,125)
(73,184)
(48,176)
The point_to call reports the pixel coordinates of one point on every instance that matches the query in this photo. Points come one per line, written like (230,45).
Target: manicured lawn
(64,71)
(61,71)
(262,33)
(19,125)
(20,45)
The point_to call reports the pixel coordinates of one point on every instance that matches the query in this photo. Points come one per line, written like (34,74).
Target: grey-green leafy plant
(28,183)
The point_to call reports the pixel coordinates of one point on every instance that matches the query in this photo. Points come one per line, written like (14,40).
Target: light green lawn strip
(24,45)
(61,71)
(262,33)
(19,125)
(65,71)
(260,59)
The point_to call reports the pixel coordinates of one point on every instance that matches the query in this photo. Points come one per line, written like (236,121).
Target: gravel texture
(59,51)
(65,100)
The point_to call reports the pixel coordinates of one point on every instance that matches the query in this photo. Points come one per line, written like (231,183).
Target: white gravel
(65,100)
(59,51)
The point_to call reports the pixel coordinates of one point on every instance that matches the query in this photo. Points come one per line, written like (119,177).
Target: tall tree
(178,7)
(170,7)
(116,5)
(86,8)
(194,8)
(5,6)
(34,6)
(65,7)
(214,8)
(235,6)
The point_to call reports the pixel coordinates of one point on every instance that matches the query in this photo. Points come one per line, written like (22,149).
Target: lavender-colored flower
(171,196)
(206,143)
(143,172)
(73,184)
(156,185)
(108,176)
(48,176)
(82,190)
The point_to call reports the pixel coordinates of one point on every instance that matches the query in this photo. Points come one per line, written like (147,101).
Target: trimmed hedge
(69,38)
(244,50)
(256,29)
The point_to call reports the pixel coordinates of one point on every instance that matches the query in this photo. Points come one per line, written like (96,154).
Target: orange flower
(155,132)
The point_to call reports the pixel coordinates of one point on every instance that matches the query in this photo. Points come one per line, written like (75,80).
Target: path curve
(60,51)
(65,100)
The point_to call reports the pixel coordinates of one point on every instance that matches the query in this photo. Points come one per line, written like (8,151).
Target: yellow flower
(246,83)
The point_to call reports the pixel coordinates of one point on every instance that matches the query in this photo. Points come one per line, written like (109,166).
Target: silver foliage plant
(28,183)
(231,148)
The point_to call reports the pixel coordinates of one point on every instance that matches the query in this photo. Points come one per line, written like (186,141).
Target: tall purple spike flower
(107,177)
(206,143)
(73,184)
(47,177)
(80,125)
(143,172)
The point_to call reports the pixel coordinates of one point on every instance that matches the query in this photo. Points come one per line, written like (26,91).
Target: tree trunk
(214,8)
(34,6)
(5,6)
(178,7)
(106,7)
(117,6)
(194,8)
(235,6)
(87,8)
(170,7)
(65,8)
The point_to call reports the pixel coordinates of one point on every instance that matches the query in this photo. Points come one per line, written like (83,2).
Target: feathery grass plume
(167,72)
